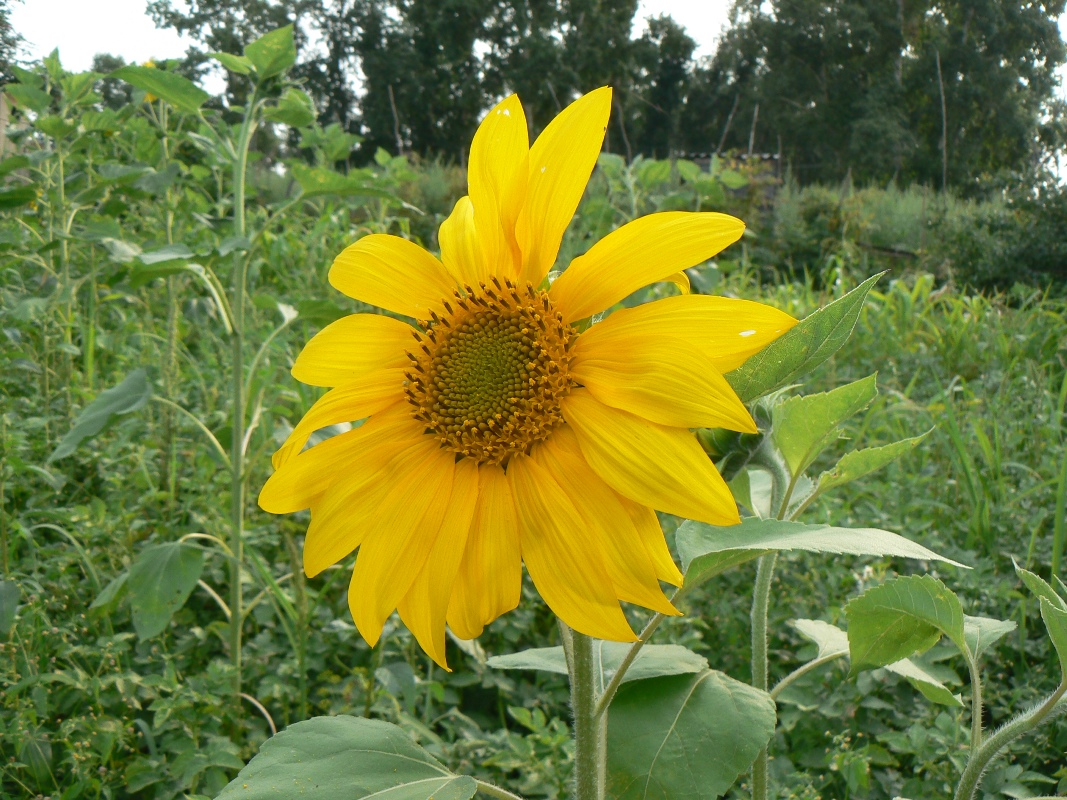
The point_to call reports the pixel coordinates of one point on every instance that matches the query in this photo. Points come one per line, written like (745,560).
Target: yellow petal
(392,273)
(424,607)
(339,515)
(305,477)
(658,377)
(647,524)
(625,558)
(724,330)
(398,538)
(348,403)
(654,465)
(461,250)
(562,555)
(561,161)
(497,175)
(353,348)
(644,251)
(489,582)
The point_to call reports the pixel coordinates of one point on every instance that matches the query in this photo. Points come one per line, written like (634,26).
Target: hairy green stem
(976,703)
(803,670)
(761,597)
(1022,724)
(237,305)
(589,745)
(781,488)
(616,680)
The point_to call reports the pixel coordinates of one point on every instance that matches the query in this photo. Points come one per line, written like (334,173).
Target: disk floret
(489,374)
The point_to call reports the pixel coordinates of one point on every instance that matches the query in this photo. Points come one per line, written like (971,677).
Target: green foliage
(125,398)
(802,348)
(685,736)
(123,257)
(180,92)
(900,618)
(159,583)
(346,757)
(654,660)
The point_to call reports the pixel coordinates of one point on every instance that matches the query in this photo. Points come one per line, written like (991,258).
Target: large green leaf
(802,348)
(345,758)
(1039,587)
(161,580)
(830,639)
(9,603)
(686,736)
(239,64)
(653,660)
(294,108)
(863,462)
(1056,622)
(316,181)
(19,196)
(127,397)
(805,425)
(703,547)
(28,96)
(900,618)
(272,53)
(177,90)
(929,686)
(983,632)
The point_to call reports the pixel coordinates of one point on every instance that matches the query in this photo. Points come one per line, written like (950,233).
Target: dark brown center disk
(489,375)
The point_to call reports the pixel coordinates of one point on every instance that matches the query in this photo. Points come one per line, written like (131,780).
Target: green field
(122,240)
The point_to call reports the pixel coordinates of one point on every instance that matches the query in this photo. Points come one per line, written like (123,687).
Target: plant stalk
(1024,723)
(976,704)
(237,306)
(781,487)
(589,744)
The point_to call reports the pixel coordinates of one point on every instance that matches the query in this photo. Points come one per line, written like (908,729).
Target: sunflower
(501,429)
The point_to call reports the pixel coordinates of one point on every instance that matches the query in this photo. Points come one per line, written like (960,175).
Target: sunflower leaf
(707,550)
(346,758)
(685,735)
(802,348)
(983,632)
(927,685)
(830,639)
(272,53)
(177,90)
(654,660)
(863,462)
(805,425)
(159,583)
(900,618)
(125,398)
(1056,622)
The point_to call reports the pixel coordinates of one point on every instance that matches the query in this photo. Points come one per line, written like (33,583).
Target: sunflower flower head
(499,430)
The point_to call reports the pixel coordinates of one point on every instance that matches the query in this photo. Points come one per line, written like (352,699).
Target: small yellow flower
(496,432)
(149,97)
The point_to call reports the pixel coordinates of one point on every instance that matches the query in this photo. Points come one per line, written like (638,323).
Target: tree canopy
(937,91)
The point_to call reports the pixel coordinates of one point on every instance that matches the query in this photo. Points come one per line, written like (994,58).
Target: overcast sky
(83,28)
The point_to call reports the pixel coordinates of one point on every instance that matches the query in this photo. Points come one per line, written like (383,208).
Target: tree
(852,86)
(664,56)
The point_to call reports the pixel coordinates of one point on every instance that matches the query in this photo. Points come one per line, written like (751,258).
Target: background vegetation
(118,234)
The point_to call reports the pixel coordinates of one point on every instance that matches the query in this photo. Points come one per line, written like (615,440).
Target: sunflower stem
(237,305)
(781,486)
(589,729)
